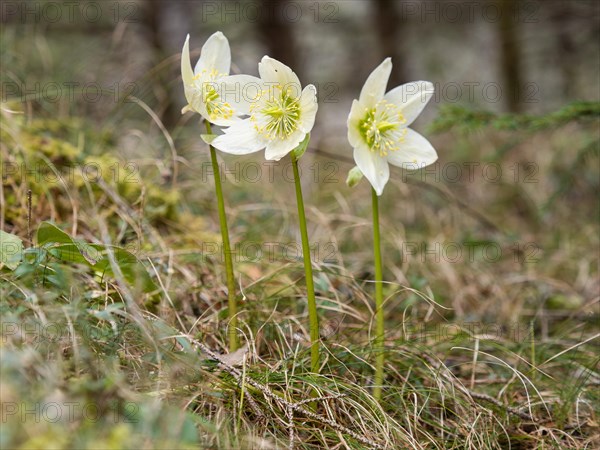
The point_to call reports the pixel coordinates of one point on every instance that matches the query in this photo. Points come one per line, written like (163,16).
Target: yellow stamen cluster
(215,106)
(275,113)
(381,128)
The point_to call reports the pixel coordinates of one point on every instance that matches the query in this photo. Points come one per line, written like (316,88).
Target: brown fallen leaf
(236,358)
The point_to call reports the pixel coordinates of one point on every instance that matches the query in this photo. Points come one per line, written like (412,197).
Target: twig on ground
(475,395)
(286,406)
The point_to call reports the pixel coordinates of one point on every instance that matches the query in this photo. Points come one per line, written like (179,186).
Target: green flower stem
(379,323)
(313,318)
(233,341)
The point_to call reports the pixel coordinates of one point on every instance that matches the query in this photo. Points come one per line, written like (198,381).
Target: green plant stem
(310,289)
(379,323)
(232,301)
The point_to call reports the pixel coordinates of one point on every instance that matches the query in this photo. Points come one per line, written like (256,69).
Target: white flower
(377,127)
(205,85)
(281,114)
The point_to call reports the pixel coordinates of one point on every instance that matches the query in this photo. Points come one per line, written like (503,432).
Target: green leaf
(299,151)
(165,331)
(189,432)
(50,233)
(65,248)
(11,250)
(76,252)
(130,266)
(564,302)
(208,138)
(91,253)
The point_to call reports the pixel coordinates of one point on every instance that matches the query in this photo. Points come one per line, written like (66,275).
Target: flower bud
(299,151)
(354,177)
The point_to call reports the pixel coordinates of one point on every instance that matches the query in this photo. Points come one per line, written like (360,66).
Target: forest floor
(114,314)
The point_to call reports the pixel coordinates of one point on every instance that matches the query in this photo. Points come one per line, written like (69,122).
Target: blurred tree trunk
(565,48)
(167,23)
(510,58)
(276,34)
(389,27)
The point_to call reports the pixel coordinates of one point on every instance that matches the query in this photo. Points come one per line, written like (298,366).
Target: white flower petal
(278,148)
(192,97)
(356,114)
(374,88)
(215,54)
(239,91)
(187,74)
(274,72)
(308,108)
(240,138)
(374,167)
(415,152)
(196,103)
(222,122)
(411,98)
